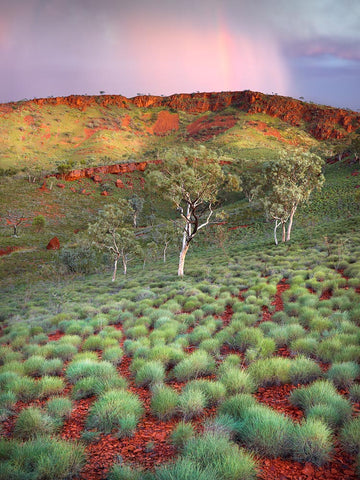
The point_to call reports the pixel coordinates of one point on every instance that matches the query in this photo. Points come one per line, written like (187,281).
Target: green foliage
(38,223)
(32,422)
(312,442)
(164,402)
(350,436)
(182,433)
(116,410)
(343,374)
(44,458)
(197,364)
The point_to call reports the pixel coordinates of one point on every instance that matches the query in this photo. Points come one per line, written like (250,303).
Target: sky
(296,48)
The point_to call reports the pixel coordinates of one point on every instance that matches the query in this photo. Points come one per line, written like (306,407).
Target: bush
(32,422)
(115,410)
(59,407)
(113,355)
(195,365)
(120,471)
(151,373)
(184,469)
(192,402)
(343,374)
(44,458)
(350,436)
(271,371)
(266,431)
(304,370)
(237,380)
(354,393)
(237,405)
(80,259)
(225,458)
(312,442)
(182,433)
(48,385)
(164,402)
(215,392)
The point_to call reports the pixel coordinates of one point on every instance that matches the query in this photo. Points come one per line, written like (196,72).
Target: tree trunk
(115,268)
(293,210)
(124,261)
(183,252)
(283,231)
(276,227)
(15,230)
(164,252)
(135,219)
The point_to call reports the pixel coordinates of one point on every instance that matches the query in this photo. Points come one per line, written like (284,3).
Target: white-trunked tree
(189,178)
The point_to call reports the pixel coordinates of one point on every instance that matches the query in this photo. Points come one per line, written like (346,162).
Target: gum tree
(289,181)
(190,179)
(113,232)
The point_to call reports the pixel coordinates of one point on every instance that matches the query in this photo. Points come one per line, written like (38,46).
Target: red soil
(326,294)
(73,427)
(166,122)
(205,128)
(8,250)
(269,131)
(55,336)
(341,467)
(277,397)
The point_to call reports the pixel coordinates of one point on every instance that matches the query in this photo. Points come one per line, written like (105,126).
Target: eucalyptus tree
(113,232)
(289,181)
(190,179)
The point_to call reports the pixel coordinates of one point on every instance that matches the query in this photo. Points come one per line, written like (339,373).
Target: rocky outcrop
(94,172)
(322,122)
(54,244)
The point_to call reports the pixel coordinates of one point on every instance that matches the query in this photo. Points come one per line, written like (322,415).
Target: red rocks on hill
(54,244)
(320,121)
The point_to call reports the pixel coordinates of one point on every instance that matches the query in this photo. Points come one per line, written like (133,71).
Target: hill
(39,134)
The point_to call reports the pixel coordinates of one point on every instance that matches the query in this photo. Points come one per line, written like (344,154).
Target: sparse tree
(113,232)
(190,180)
(38,223)
(289,181)
(14,218)
(136,203)
(165,235)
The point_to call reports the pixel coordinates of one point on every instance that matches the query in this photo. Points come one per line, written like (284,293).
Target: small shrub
(191,403)
(59,407)
(237,405)
(48,385)
(266,431)
(195,365)
(115,410)
(304,370)
(354,393)
(181,434)
(237,380)
(32,422)
(113,355)
(120,471)
(151,373)
(350,436)
(224,457)
(343,374)
(184,469)
(272,371)
(164,402)
(312,442)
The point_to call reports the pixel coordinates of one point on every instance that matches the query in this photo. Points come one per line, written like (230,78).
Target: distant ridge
(322,122)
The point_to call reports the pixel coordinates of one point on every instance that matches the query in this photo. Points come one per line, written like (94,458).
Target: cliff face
(320,121)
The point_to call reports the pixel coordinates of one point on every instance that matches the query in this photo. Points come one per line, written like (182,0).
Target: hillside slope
(95,130)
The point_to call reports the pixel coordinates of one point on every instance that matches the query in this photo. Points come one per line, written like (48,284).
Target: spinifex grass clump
(33,422)
(271,371)
(191,403)
(266,431)
(222,456)
(115,410)
(44,457)
(151,373)
(304,370)
(343,374)
(164,402)
(350,436)
(195,365)
(236,380)
(182,433)
(59,407)
(321,401)
(312,442)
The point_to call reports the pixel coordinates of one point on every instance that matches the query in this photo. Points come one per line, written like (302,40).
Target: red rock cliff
(320,121)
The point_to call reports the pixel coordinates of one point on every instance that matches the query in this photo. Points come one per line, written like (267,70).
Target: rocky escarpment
(94,172)
(320,121)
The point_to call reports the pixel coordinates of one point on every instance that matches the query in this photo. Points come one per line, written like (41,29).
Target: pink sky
(61,47)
